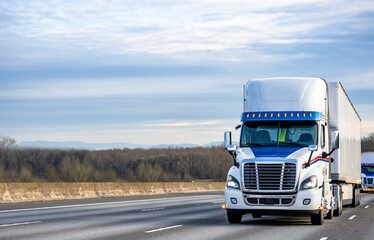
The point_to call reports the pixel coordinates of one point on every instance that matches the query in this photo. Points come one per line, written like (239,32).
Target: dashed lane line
(162,229)
(152,209)
(352,217)
(367,206)
(18,224)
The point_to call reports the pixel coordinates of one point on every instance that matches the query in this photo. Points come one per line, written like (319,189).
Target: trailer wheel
(356,197)
(234,217)
(317,219)
(339,210)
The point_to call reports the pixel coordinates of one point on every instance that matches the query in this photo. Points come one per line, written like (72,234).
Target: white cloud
(83,88)
(359,79)
(175,123)
(133,132)
(174,27)
(367,128)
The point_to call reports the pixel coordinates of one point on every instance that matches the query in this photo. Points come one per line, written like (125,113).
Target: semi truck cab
(283,162)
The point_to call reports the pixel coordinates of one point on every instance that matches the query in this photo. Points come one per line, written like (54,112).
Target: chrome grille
(268,177)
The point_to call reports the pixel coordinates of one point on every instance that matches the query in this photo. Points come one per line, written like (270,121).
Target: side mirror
(227,139)
(312,148)
(231,148)
(334,139)
(227,142)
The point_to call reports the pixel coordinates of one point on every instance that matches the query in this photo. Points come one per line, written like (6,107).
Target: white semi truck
(367,171)
(299,151)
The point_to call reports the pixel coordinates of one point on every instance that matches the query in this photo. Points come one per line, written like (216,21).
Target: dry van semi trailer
(299,151)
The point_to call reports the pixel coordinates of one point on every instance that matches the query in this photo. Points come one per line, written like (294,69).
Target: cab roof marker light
(281,115)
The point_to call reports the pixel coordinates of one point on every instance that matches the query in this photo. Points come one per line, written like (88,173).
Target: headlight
(309,183)
(232,183)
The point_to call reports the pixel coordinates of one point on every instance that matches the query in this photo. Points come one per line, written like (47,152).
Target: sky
(169,72)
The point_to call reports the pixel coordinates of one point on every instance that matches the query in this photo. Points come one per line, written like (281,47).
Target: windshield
(278,133)
(367,169)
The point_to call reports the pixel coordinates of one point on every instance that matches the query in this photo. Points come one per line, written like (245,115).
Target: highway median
(46,191)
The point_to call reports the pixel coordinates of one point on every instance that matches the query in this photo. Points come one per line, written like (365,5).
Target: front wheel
(330,214)
(234,217)
(256,215)
(317,219)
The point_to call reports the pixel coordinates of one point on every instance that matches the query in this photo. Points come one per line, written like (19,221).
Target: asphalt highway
(182,216)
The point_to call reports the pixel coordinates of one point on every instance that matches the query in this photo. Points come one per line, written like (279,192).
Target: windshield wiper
(260,145)
(253,145)
(292,144)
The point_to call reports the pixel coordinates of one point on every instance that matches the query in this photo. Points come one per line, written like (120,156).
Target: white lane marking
(324,238)
(152,209)
(105,203)
(219,202)
(367,206)
(352,217)
(161,229)
(17,224)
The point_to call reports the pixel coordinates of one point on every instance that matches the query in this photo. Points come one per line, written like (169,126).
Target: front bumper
(269,207)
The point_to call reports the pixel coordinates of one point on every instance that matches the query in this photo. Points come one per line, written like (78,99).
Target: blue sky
(168,72)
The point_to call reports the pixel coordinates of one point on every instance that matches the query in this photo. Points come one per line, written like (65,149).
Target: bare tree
(6,141)
(367,143)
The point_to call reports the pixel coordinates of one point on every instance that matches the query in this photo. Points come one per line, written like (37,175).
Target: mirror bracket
(311,148)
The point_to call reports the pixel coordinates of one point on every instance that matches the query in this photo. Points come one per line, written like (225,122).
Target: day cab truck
(299,151)
(367,172)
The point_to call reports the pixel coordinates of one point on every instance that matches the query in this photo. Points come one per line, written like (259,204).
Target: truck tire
(317,219)
(330,214)
(339,203)
(234,217)
(356,197)
(256,215)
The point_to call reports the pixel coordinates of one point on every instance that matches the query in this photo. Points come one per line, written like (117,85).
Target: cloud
(367,128)
(359,79)
(70,69)
(177,123)
(174,28)
(133,132)
(111,87)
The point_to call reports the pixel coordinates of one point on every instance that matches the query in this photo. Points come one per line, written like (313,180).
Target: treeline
(367,143)
(153,165)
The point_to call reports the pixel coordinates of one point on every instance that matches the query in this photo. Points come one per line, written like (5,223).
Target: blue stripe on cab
(275,152)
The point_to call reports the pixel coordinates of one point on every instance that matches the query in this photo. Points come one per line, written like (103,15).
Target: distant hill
(102,146)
